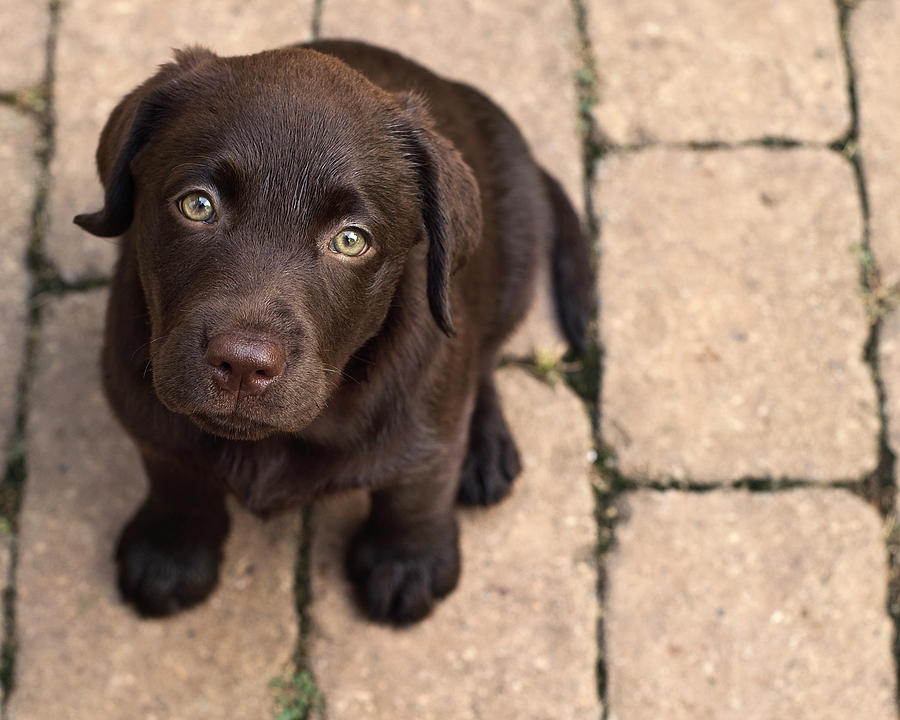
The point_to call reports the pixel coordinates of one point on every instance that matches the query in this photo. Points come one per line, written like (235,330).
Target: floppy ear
(451,206)
(128,128)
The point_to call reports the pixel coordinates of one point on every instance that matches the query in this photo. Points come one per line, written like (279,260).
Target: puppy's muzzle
(244,363)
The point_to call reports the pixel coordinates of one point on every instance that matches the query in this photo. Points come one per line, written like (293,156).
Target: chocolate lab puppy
(323,248)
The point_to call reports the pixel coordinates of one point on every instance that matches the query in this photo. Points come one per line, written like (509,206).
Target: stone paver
(707,70)
(517,637)
(18,177)
(23,37)
(732,321)
(522,53)
(95,67)
(84,655)
(873,26)
(732,605)
(535,38)
(732,327)
(889,367)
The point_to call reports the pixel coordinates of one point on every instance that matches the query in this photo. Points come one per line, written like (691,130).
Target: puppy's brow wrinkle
(190,172)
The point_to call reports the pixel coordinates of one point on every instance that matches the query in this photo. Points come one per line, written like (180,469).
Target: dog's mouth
(233,427)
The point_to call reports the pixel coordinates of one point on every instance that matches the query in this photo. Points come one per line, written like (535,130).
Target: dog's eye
(197,206)
(349,242)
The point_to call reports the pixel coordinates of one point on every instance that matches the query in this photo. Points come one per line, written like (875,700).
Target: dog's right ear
(128,128)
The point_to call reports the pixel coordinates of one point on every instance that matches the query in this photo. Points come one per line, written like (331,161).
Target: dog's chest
(268,476)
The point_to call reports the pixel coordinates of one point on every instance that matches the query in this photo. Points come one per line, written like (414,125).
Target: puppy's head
(274,203)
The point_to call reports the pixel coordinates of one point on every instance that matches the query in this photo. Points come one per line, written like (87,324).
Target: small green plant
(296,696)
(546,364)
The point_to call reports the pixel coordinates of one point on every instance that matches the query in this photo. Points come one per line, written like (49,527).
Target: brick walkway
(737,165)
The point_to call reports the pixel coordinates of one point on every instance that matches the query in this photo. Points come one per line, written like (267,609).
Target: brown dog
(323,248)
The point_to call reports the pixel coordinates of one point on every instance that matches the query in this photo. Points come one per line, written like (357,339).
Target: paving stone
(24,25)
(534,38)
(889,367)
(732,321)
(517,637)
(746,606)
(95,68)
(18,177)
(537,39)
(82,653)
(538,337)
(707,70)
(874,24)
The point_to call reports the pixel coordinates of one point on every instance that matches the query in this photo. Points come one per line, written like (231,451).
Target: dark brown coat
(244,353)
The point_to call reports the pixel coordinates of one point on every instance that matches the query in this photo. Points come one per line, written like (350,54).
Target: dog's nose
(245,363)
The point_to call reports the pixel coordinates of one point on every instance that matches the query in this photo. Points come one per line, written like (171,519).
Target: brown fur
(386,380)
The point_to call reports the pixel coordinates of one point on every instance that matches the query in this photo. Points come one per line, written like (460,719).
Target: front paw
(168,562)
(492,459)
(397,581)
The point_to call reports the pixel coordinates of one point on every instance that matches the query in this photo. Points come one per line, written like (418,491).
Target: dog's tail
(570,266)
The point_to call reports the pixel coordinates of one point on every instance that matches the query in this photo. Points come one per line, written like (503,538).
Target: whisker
(339,371)
(146,345)
(362,360)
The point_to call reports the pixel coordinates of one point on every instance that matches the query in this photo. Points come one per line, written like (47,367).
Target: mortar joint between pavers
(303,585)
(620,483)
(316,25)
(587,381)
(31,100)
(766,142)
(880,486)
(15,475)
(298,693)
(583,373)
(54,285)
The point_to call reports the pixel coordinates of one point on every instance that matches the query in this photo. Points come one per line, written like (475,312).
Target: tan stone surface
(889,367)
(740,606)
(522,54)
(23,38)
(874,26)
(539,335)
(82,653)
(104,51)
(517,637)
(732,321)
(712,70)
(18,178)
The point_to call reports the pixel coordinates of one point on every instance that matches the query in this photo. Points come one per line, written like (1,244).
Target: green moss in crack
(11,487)
(296,696)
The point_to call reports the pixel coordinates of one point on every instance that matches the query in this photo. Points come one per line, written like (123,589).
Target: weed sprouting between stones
(296,696)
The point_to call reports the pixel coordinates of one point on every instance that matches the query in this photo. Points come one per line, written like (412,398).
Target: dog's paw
(401,584)
(165,563)
(492,459)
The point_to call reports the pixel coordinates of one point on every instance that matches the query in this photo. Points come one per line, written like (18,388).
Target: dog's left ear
(451,204)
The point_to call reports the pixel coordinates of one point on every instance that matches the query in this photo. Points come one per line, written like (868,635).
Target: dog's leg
(492,460)
(169,552)
(406,555)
